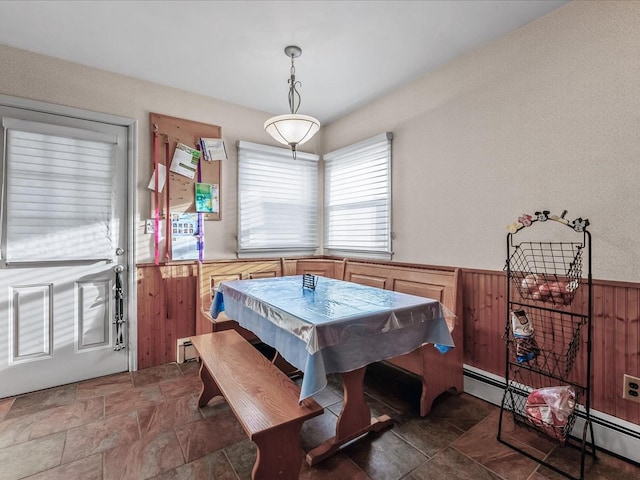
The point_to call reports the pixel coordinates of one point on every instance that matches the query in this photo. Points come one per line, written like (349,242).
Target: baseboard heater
(186,351)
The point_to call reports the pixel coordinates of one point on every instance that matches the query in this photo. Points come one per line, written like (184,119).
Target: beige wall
(547,117)
(28,75)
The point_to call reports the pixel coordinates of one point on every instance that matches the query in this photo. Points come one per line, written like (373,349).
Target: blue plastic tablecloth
(338,327)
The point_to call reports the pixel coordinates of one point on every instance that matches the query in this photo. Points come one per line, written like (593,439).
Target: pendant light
(292,129)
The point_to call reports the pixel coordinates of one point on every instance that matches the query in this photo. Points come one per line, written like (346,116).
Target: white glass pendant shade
(292,129)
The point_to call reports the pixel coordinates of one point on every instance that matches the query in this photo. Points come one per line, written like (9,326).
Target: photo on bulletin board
(207,198)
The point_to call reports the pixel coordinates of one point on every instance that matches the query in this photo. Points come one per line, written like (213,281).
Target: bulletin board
(178,195)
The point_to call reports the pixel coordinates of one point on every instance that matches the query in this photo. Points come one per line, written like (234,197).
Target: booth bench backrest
(440,283)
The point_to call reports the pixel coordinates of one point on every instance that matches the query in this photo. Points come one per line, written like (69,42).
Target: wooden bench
(263,399)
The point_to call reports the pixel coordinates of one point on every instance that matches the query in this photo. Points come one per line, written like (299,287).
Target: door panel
(31,321)
(93,314)
(57,317)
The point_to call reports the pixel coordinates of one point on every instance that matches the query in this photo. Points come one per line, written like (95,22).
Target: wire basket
(556,338)
(516,401)
(546,272)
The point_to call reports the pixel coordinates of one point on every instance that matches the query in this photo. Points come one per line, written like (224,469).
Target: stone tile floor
(147,424)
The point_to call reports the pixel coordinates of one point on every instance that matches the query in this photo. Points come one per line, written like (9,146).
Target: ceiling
(352,51)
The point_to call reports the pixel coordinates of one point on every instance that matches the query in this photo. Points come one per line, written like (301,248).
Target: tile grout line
(233,469)
(484,467)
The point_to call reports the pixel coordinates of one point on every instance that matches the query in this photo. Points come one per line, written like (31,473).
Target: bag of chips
(522,328)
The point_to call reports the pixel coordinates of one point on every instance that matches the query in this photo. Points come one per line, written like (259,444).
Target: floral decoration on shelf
(526,220)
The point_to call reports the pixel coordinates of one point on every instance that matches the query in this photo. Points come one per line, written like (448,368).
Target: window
(58,192)
(277,201)
(357,199)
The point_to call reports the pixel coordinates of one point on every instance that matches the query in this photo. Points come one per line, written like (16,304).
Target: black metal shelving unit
(543,279)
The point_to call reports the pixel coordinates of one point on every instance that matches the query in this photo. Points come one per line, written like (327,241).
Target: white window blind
(357,200)
(277,201)
(58,192)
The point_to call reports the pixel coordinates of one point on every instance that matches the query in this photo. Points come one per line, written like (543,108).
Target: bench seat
(263,399)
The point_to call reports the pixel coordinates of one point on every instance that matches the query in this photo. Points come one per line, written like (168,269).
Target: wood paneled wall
(167,311)
(616,347)
(484,305)
(615,344)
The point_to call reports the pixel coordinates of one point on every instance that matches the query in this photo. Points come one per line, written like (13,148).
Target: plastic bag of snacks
(549,408)
(526,346)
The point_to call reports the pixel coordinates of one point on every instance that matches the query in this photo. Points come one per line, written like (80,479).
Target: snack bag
(520,324)
(526,346)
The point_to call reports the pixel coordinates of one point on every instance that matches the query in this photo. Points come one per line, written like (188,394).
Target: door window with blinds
(277,201)
(357,199)
(57,204)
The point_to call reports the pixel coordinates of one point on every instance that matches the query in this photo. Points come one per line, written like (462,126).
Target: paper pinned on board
(207,198)
(185,242)
(185,248)
(213,149)
(185,160)
(184,224)
(162,178)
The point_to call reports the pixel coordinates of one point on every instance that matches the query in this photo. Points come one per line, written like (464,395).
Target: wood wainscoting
(616,335)
(484,307)
(616,346)
(167,311)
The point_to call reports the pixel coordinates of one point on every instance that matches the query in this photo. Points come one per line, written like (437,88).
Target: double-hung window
(357,199)
(277,201)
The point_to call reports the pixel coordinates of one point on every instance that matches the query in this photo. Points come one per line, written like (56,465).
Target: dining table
(326,326)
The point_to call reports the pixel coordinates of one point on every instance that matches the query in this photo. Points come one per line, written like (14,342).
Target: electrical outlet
(631,388)
(149,226)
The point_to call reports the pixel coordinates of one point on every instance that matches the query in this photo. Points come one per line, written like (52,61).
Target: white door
(64,233)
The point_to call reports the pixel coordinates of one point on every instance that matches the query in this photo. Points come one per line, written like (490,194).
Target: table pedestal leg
(354,420)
